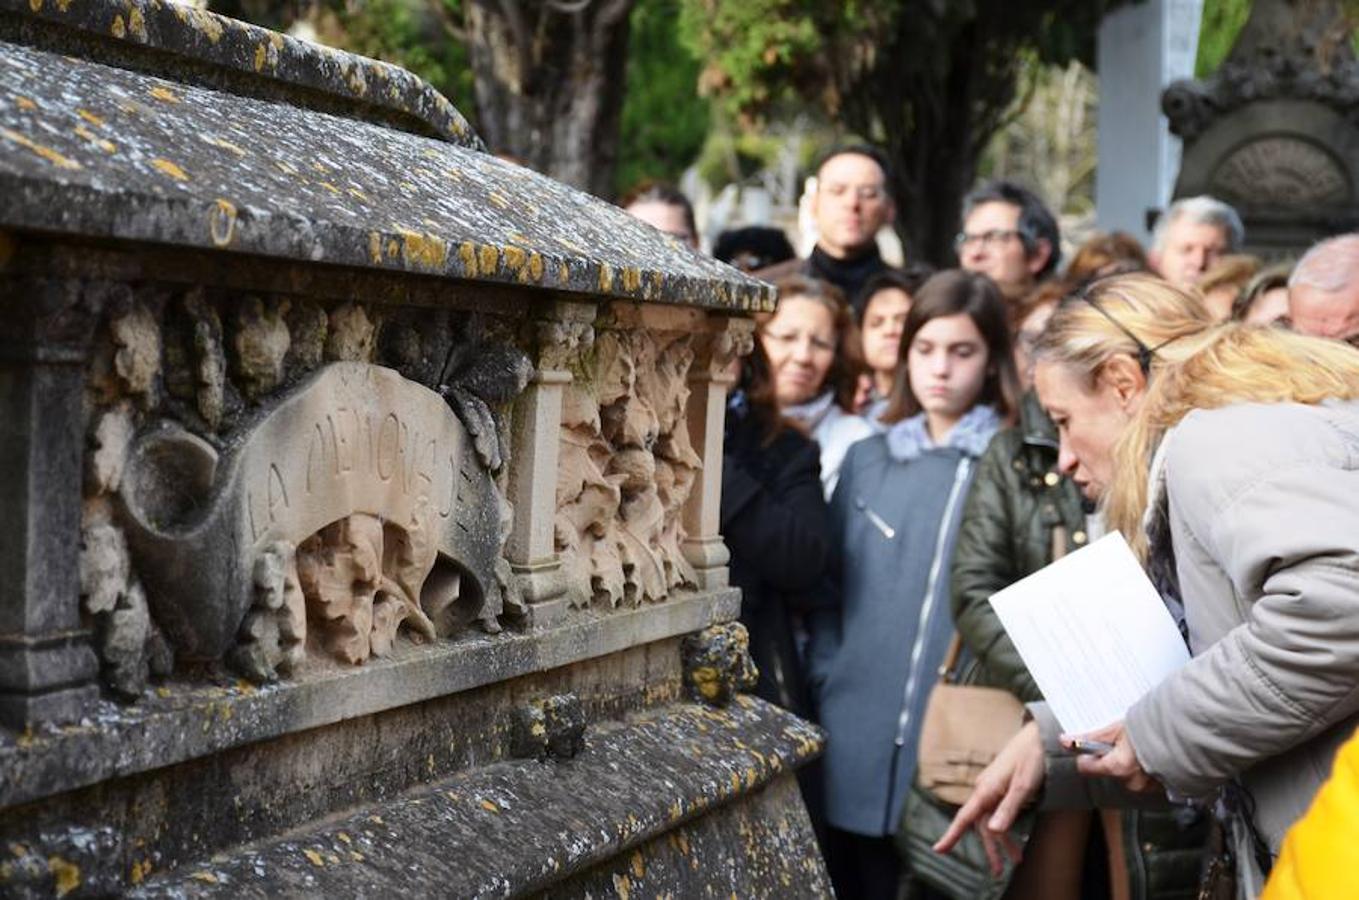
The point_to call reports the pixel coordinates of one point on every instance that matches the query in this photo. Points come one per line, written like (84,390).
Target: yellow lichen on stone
(632,278)
(47,153)
(622,886)
(605,278)
(535,267)
(330,187)
(638,865)
(118,29)
(515,259)
(357,194)
(343,836)
(140,870)
(102,143)
(374,247)
(498,200)
(488,256)
(136,25)
(356,856)
(65,875)
(205,877)
(285,168)
(206,22)
(90,117)
(261,54)
(489,806)
(225,145)
(222,224)
(164,95)
(35,5)
(25,104)
(314,858)
(392,249)
(165,167)
(467,252)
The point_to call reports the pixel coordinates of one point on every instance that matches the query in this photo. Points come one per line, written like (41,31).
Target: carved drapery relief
(626,469)
(270,480)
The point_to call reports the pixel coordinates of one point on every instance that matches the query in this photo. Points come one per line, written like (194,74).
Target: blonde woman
(1228,455)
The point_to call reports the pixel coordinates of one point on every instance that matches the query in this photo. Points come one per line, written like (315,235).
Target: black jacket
(775,525)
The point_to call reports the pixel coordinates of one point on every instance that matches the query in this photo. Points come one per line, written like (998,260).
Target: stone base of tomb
(506,766)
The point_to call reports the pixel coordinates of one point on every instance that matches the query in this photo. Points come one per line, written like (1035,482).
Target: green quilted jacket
(1020,514)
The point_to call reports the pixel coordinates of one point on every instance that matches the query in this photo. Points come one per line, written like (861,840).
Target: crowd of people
(905,442)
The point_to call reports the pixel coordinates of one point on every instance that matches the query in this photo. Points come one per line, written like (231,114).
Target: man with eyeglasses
(852,202)
(1009,235)
(1323,291)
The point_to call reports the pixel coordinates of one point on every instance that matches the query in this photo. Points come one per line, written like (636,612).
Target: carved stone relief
(1281,171)
(250,499)
(626,470)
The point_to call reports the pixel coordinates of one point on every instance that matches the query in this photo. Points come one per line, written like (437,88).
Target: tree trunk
(549,81)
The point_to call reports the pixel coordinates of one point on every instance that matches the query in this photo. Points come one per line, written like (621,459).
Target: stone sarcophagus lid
(363,496)
(1275,131)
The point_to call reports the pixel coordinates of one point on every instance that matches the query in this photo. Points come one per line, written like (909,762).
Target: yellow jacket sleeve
(1317,861)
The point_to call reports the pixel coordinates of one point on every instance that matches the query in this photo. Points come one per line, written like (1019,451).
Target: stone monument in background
(1275,130)
(361,497)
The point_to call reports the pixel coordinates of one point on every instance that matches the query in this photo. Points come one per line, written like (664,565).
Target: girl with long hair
(894,517)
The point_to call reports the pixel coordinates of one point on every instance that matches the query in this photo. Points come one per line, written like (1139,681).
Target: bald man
(1323,291)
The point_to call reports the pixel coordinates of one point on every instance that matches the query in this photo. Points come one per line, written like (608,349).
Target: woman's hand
(1120,763)
(1003,789)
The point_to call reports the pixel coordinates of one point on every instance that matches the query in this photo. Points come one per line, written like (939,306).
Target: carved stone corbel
(561,337)
(712,374)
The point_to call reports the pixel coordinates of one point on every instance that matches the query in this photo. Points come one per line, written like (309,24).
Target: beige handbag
(964,728)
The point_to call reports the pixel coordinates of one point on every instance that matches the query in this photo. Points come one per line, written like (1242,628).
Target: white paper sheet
(1093,632)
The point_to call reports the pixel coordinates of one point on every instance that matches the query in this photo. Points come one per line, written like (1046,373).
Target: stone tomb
(363,496)
(1275,131)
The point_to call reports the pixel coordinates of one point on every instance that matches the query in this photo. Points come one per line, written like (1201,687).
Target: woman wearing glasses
(1228,455)
(894,518)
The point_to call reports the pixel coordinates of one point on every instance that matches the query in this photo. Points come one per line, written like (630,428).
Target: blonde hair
(1193,363)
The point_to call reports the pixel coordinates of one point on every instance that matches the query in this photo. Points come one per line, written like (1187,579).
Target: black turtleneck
(849,274)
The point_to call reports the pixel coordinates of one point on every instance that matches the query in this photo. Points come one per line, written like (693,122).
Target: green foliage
(419,35)
(665,121)
(1222,22)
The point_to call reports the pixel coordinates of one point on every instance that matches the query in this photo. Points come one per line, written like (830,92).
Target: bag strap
(955,650)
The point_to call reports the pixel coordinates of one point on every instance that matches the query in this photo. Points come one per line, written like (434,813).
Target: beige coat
(1264,516)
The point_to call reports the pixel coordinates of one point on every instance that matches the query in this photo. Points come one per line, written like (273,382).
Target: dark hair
(1106,253)
(842,377)
(1036,221)
(867,150)
(648,191)
(757,383)
(752,248)
(908,278)
(950,293)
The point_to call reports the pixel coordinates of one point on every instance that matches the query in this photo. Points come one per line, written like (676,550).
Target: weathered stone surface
(107,454)
(183,166)
(552,727)
(717,663)
(350,335)
(350,439)
(515,827)
(261,344)
(190,720)
(206,48)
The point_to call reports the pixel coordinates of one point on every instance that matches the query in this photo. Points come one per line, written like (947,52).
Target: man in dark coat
(851,204)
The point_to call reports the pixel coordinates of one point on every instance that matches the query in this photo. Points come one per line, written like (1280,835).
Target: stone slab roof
(93,149)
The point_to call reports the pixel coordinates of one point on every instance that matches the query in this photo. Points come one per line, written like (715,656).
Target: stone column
(711,376)
(562,334)
(47,667)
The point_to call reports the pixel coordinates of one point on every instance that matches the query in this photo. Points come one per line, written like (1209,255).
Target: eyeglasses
(993,238)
